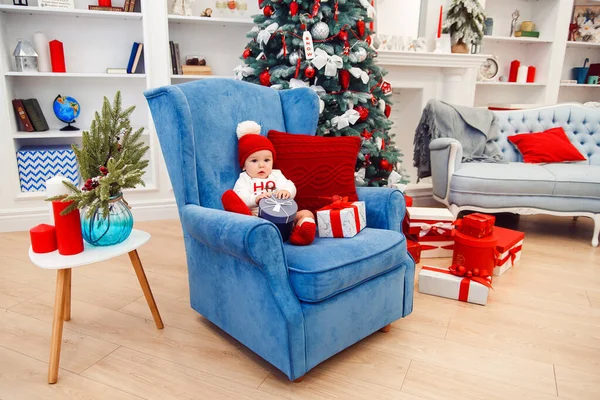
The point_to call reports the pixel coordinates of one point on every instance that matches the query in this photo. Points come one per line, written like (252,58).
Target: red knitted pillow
(550,146)
(318,166)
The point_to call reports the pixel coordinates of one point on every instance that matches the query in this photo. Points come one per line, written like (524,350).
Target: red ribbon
(465,283)
(512,254)
(284,46)
(336,208)
(430,247)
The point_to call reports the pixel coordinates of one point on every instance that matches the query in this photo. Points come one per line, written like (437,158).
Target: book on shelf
(116,70)
(132,6)
(34,111)
(23,121)
(532,34)
(196,70)
(173,60)
(101,8)
(134,57)
(178,59)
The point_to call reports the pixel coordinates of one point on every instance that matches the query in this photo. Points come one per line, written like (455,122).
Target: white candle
(40,42)
(522,74)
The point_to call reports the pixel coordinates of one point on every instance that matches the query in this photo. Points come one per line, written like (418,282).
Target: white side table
(90,255)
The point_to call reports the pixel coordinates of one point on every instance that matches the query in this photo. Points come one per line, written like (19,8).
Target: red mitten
(232,202)
(303,235)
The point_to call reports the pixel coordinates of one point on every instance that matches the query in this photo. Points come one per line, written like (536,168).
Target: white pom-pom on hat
(247,128)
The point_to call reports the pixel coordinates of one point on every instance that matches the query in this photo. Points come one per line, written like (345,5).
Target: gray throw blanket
(473,127)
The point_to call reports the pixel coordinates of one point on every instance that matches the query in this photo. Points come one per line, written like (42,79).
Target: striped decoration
(37,164)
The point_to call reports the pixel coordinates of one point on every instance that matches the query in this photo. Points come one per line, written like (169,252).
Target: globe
(66,109)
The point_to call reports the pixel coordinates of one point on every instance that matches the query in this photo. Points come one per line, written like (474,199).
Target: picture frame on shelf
(586,19)
(20,3)
(68,4)
(489,70)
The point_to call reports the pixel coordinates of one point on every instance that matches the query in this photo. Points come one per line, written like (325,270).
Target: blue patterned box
(38,163)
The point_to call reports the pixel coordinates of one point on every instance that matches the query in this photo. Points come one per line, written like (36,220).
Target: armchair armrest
(247,238)
(446,158)
(385,207)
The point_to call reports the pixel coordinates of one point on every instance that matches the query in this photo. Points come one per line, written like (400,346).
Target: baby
(259,180)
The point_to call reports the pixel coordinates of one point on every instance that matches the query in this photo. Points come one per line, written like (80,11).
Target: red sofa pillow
(551,146)
(320,167)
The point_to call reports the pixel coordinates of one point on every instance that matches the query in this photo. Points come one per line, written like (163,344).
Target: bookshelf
(76,13)
(74,75)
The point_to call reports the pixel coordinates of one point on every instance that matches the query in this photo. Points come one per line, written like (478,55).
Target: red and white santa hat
(250,141)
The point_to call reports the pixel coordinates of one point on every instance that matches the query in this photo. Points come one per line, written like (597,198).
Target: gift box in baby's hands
(476,225)
(281,212)
(443,283)
(341,219)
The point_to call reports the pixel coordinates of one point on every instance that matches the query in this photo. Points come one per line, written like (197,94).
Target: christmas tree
(327,46)
(110,160)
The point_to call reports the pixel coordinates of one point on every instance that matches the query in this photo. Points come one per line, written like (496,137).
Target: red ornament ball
(231,5)
(293,9)
(268,11)
(388,110)
(247,53)
(303,27)
(343,35)
(461,270)
(363,111)
(476,272)
(309,72)
(469,274)
(265,78)
(384,164)
(484,273)
(344,77)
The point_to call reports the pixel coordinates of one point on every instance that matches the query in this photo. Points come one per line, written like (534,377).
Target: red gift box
(414,249)
(475,253)
(432,228)
(509,247)
(43,238)
(476,225)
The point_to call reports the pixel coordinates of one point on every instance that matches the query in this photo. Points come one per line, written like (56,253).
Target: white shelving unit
(74,75)
(520,40)
(576,85)
(77,13)
(497,83)
(183,19)
(586,45)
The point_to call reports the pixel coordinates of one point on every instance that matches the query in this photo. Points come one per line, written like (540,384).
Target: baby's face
(259,164)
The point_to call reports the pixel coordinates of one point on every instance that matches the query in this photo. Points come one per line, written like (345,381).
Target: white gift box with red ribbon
(433,229)
(342,219)
(441,282)
(509,247)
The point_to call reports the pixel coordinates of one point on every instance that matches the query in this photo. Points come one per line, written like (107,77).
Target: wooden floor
(538,337)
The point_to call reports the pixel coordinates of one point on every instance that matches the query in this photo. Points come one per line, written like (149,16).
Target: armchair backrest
(582,125)
(196,126)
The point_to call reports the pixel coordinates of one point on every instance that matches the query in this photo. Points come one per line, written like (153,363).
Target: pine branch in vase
(355,99)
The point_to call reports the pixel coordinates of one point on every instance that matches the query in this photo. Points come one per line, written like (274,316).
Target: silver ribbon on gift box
(277,206)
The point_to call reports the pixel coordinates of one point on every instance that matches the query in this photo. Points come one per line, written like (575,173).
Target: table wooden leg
(67,312)
(139,271)
(57,325)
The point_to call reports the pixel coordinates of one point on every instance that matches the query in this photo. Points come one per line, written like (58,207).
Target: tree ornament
(268,11)
(344,78)
(265,78)
(309,72)
(363,112)
(260,3)
(360,25)
(315,8)
(361,54)
(294,8)
(320,31)
(343,35)
(303,27)
(368,40)
(384,164)
(336,11)
(247,53)
(294,57)
(388,110)
(366,134)
(386,88)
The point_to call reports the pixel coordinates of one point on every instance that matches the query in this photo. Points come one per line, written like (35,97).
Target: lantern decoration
(360,25)
(344,78)
(294,8)
(26,58)
(388,110)
(386,88)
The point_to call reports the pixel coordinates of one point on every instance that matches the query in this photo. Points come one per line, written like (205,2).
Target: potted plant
(464,21)
(110,160)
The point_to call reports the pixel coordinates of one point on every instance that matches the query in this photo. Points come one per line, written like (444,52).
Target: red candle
(105,3)
(531,74)
(68,229)
(439,33)
(57,56)
(514,70)
(43,238)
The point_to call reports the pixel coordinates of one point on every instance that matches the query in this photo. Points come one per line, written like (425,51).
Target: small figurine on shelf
(182,7)
(513,25)
(66,109)
(26,58)
(20,3)
(207,13)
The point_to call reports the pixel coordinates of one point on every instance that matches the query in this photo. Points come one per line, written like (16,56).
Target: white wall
(398,17)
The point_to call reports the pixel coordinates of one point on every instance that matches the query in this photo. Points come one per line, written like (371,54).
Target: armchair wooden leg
(67,311)
(386,328)
(57,325)
(139,271)
(299,379)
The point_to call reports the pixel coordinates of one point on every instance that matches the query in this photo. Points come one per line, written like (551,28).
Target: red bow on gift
(482,277)
(465,283)
(338,204)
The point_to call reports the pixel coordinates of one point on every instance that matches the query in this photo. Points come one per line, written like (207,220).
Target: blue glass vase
(100,231)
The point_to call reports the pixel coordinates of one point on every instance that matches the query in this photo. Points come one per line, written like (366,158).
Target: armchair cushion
(331,266)
(320,167)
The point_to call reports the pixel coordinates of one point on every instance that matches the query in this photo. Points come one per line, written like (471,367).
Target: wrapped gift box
(342,219)
(37,164)
(281,212)
(475,253)
(414,249)
(477,225)
(509,249)
(440,282)
(433,229)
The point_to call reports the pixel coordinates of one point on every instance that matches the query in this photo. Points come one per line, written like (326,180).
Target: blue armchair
(293,306)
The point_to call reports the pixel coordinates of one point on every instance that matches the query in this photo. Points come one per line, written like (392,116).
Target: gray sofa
(566,189)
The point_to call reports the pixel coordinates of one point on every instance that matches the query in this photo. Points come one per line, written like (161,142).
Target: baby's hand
(283,194)
(262,196)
